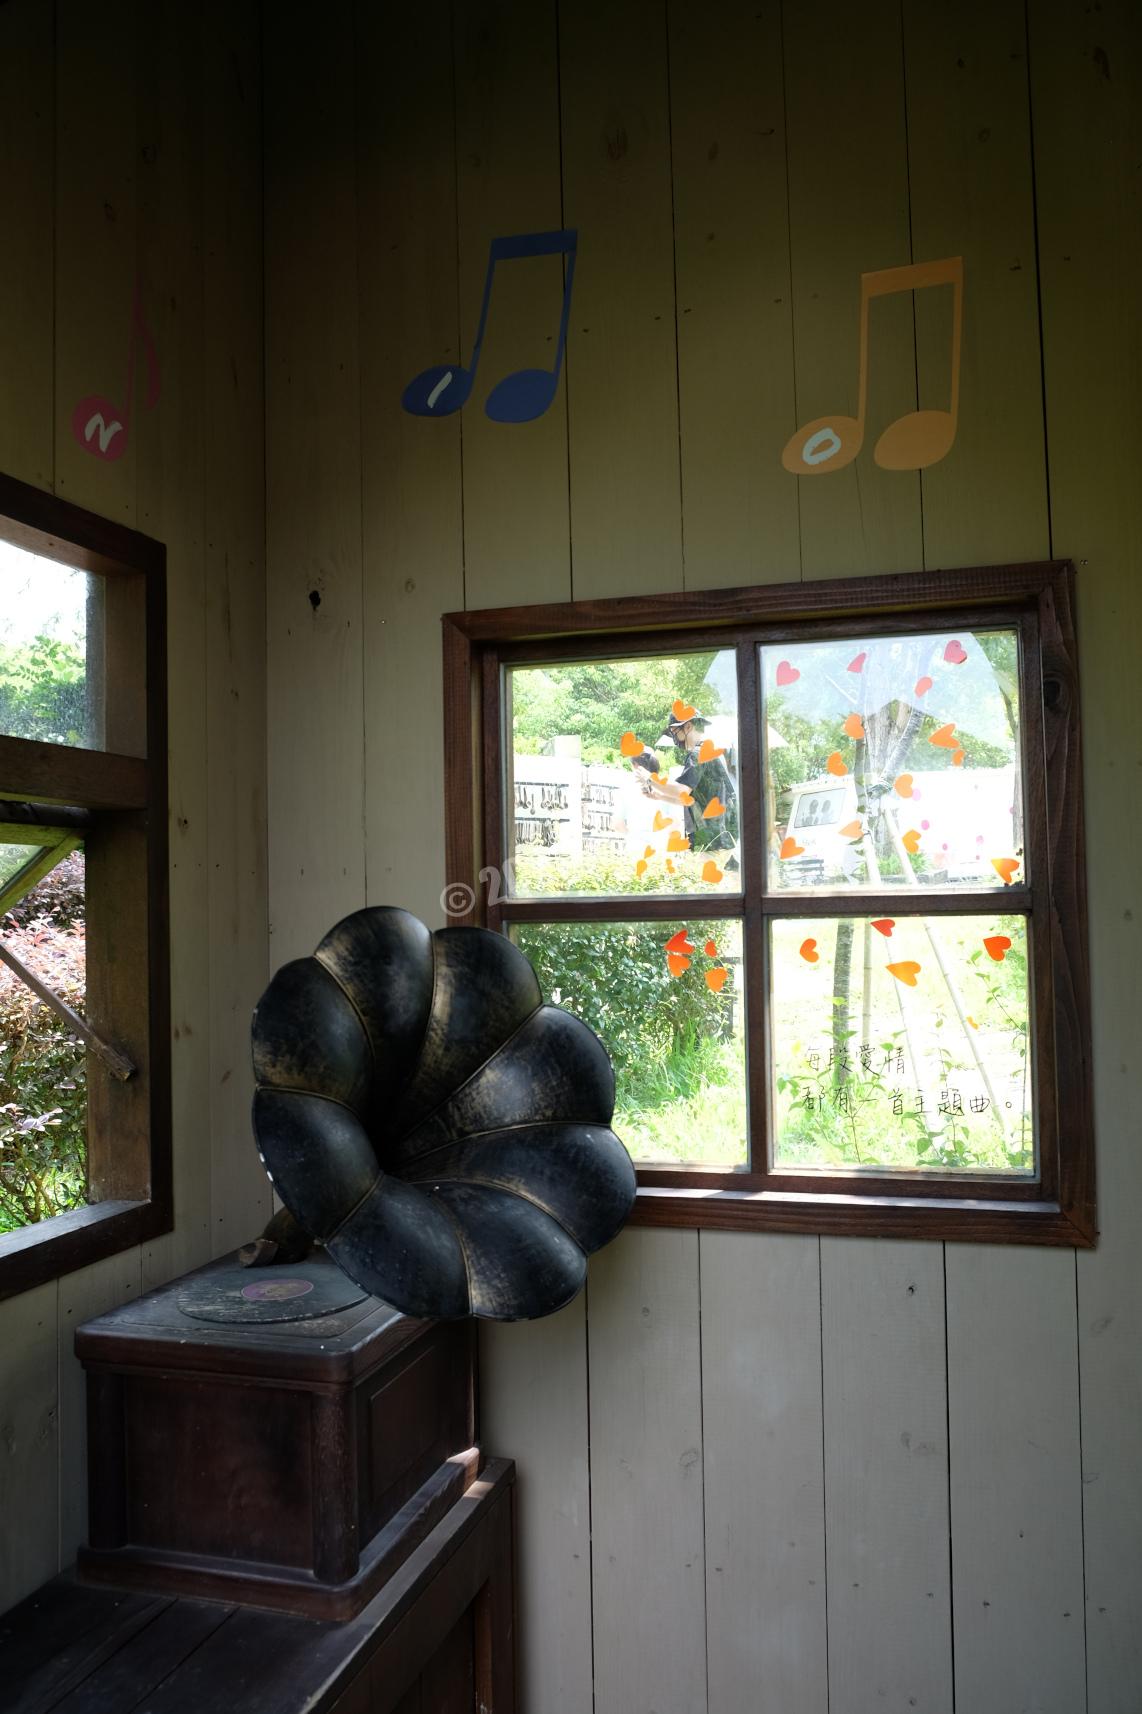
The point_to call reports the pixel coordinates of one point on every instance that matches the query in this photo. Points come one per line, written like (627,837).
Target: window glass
(43,1102)
(622,777)
(668,1002)
(13,858)
(43,650)
(894,762)
(901,1044)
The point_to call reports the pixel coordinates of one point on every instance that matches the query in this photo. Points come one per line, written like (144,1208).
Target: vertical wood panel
(83,1295)
(95,238)
(412,502)
(848,215)
(1087,117)
(29,1443)
(622,379)
(735,318)
(234,514)
(761,1414)
(315,797)
(969,157)
(886,1476)
(643,1321)
(533,1390)
(516,524)
(27,162)
(169,485)
(1015,1492)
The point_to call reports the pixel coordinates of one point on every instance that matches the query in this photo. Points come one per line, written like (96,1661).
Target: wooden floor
(438,1636)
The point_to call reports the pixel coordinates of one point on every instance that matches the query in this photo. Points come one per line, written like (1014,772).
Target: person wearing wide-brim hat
(703,781)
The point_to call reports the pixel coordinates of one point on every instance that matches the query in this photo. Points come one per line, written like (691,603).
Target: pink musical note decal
(97,423)
(918,438)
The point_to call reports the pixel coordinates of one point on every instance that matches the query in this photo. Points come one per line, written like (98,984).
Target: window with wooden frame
(809,859)
(85,1162)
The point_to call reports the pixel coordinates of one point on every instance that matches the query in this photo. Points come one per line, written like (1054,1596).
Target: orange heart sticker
(856,665)
(687,797)
(711,872)
(707,750)
(648,851)
(640,866)
(790,848)
(1005,868)
(906,972)
(997,945)
(630,745)
(884,925)
(682,710)
(677,842)
(903,785)
(680,942)
(714,808)
(911,840)
(661,821)
(972,1022)
(670,865)
(945,737)
(716,979)
(711,949)
(660,779)
(957,758)
(852,830)
(923,685)
(854,726)
(808,951)
(835,764)
(677,963)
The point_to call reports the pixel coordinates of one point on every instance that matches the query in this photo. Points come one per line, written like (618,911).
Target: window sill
(958,1219)
(42,1252)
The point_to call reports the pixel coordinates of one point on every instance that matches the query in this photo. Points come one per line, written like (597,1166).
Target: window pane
(894,762)
(901,1045)
(43,1100)
(43,650)
(672,1020)
(13,858)
(623,776)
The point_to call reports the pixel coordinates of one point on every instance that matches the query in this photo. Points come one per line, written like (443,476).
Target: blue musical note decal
(526,393)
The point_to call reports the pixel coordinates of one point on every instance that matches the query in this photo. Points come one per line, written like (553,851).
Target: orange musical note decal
(100,427)
(914,440)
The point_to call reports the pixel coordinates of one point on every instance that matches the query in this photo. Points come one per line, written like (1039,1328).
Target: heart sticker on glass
(808,950)
(852,830)
(856,665)
(923,685)
(711,872)
(630,745)
(661,821)
(787,673)
(680,942)
(640,866)
(911,840)
(1005,868)
(677,842)
(853,726)
(716,979)
(713,809)
(906,972)
(711,949)
(682,710)
(884,925)
(676,963)
(835,765)
(707,750)
(945,737)
(790,848)
(955,653)
(903,785)
(997,946)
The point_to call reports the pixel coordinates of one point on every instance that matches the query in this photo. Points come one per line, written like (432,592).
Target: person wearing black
(704,781)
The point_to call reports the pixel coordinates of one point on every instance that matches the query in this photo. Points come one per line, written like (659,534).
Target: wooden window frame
(1058,1206)
(127,931)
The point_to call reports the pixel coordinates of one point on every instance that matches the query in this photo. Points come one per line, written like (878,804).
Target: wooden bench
(437,1639)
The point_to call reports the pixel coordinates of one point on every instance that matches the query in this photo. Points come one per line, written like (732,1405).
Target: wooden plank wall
(754,1472)
(130,148)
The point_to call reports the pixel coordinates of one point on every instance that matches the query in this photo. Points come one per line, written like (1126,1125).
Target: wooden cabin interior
(790,1465)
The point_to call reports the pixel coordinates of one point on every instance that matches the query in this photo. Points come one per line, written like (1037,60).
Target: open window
(809,860)
(84,1008)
